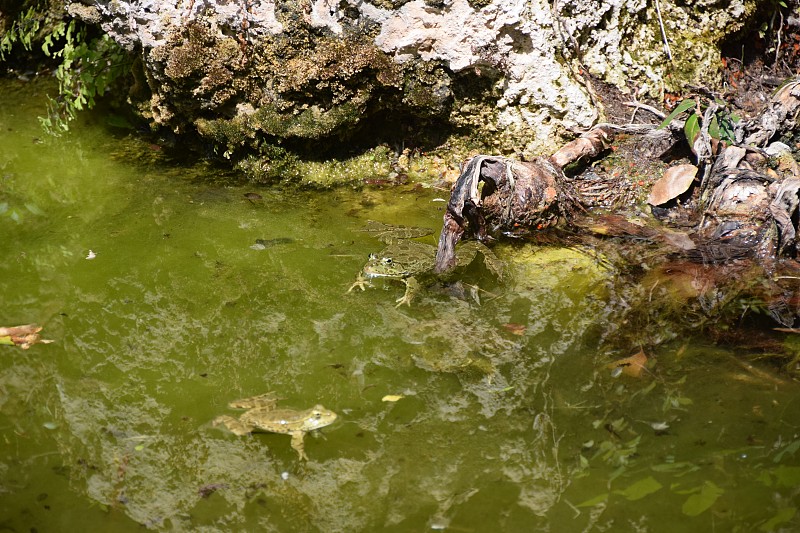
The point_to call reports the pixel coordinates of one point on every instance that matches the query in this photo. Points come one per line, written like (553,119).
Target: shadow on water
(455,413)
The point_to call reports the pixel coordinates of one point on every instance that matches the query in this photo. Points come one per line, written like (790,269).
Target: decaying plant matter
(22,336)
(748,190)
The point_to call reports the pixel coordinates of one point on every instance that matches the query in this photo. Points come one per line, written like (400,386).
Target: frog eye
(317,414)
(387,261)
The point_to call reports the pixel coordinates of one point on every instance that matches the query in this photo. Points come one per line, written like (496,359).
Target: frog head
(318,416)
(379,266)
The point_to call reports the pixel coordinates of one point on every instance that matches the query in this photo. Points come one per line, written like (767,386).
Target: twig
(778,48)
(646,107)
(627,128)
(663,31)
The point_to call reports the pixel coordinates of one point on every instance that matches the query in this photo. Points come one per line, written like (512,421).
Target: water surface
(169,294)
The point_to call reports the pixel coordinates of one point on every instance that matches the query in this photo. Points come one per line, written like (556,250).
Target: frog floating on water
(261,415)
(405,260)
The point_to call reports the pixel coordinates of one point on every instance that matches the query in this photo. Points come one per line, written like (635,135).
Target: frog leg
(412,286)
(233,425)
(361,282)
(297,444)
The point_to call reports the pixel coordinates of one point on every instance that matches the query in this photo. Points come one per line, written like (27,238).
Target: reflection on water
(198,295)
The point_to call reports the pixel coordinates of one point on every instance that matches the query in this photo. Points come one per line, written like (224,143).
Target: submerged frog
(401,261)
(405,260)
(261,415)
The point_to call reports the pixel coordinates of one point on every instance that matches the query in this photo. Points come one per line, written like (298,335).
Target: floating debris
(630,366)
(515,329)
(263,244)
(22,336)
(392,398)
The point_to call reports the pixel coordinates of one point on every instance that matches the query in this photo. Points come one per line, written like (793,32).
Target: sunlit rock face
(249,73)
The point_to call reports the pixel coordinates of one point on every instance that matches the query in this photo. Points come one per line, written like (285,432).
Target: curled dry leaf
(22,336)
(515,329)
(392,398)
(675,181)
(630,366)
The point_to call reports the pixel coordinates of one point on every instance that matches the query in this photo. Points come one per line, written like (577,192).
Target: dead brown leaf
(631,366)
(515,329)
(675,181)
(22,336)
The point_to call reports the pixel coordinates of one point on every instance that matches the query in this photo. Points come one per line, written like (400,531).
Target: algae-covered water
(486,405)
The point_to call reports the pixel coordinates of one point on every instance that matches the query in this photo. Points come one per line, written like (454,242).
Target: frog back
(288,420)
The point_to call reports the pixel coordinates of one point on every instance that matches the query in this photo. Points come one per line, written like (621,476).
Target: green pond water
(510,418)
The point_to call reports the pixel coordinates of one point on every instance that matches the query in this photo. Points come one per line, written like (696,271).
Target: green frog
(261,415)
(401,261)
(406,260)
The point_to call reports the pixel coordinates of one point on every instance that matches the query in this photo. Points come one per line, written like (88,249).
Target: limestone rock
(507,72)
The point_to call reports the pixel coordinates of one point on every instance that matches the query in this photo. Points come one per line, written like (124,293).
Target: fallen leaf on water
(392,397)
(515,329)
(630,366)
(22,336)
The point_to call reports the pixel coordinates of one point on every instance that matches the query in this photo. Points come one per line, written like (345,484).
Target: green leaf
(676,488)
(621,469)
(682,107)
(691,129)
(765,478)
(600,498)
(584,461)
(781,517)
(713,128)
(640,489)
(790,448)
(702,501)
(648,389)
(33,208)
(48,42)
(787,476)
(680,468)
(726,129)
